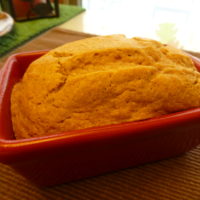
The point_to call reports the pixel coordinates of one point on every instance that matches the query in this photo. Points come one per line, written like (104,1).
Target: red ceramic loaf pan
(73,155)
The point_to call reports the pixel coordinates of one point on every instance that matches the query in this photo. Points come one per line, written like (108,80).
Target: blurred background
(174,22)
(170,21)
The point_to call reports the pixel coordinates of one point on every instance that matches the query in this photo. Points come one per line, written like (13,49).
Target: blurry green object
(24,31)
(167,33)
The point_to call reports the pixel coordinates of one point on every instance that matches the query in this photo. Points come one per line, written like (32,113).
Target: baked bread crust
(100,81)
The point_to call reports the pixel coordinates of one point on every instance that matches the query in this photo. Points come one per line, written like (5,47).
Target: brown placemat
(48,40)
(173,179)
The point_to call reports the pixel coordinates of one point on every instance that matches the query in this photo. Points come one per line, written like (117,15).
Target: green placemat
(24,31)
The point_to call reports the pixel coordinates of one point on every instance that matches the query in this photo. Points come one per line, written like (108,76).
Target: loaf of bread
(100,81)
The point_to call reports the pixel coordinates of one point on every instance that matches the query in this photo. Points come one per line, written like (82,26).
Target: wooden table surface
(173,179)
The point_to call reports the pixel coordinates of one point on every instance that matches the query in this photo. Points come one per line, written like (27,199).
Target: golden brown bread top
(102,80)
